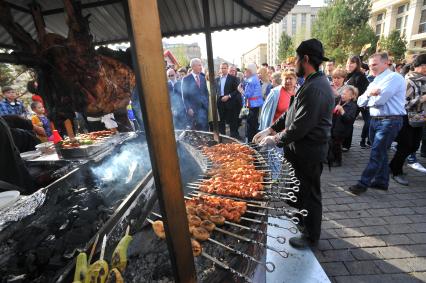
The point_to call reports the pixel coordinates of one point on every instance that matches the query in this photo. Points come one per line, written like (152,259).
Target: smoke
(127,166)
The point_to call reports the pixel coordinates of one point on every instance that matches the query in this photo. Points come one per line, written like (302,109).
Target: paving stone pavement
(379,236)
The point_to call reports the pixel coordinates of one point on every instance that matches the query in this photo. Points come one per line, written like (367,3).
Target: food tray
(84,151)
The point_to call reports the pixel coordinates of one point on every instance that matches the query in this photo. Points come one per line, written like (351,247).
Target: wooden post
(145,37)
(210,63)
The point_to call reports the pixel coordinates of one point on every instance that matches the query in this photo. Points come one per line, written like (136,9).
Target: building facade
(297,24)
(256,55)
(406,16)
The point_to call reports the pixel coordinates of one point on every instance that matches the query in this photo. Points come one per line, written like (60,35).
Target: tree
(395,44)
(285,47)
(180,55)
(343,28)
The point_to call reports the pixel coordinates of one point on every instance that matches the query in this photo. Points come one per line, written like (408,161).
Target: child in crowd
(344,115)
(39,119)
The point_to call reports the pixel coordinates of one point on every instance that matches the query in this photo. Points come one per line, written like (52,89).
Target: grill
(87,203)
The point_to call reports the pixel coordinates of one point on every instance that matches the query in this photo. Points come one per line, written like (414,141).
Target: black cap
(312,47)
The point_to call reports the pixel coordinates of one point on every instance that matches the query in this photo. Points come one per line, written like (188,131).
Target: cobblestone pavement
(378,236)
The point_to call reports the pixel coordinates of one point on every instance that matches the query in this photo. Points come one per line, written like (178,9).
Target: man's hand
(225,98)
(375,92)
(190,112)
(423,98)
(268,141)
(263,134)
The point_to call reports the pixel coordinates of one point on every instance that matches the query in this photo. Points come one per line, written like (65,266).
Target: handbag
(416,119)
(244,112)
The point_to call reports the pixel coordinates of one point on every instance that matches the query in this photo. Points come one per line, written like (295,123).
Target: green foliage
(285,47)
(343,28)
(395,44)
(7,75)
(180,55)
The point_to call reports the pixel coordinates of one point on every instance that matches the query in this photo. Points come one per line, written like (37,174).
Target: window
(284,23)
(293,24)
(423,43)
(402,9)
(422,25)
(380,23)
(313,19)
(303,20)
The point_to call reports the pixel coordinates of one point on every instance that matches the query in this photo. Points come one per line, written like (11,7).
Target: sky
(230,45)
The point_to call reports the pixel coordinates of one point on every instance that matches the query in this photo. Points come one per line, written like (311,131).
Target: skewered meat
(196,247)
(200,233)
(208,225)
(158,227)
(191,210)
(218,220)
(194,220)
(202,213)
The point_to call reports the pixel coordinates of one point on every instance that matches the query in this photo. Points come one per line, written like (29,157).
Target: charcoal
(16,279)
(43,255)
(77,236)
(30,238)
(30,260)
(55,262)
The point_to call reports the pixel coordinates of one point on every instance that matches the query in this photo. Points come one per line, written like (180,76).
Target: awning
(177,17)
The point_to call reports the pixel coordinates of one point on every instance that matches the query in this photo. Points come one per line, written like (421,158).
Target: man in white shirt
(385,97)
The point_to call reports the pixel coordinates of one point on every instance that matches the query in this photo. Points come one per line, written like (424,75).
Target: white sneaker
(417,166)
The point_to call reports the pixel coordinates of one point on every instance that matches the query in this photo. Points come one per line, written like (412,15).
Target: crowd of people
(308,106)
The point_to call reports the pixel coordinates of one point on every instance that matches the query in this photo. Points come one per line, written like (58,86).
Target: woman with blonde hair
(278,100)
(262,73)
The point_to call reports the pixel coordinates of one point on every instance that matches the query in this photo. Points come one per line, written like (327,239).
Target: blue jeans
(382,134)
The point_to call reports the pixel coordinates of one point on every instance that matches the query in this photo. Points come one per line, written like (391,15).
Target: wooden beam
(154,99)
(18,7)
(21,59)
(210,63)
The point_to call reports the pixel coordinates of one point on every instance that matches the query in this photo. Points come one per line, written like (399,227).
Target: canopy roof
(177,17)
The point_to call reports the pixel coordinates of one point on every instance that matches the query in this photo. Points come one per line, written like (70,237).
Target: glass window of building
(422,25)
(293,24)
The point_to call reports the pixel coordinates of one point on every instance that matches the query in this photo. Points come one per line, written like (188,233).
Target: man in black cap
(304,132)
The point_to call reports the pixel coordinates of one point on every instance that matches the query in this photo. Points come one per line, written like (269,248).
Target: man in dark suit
(229,101)
(196,97)
(176,101)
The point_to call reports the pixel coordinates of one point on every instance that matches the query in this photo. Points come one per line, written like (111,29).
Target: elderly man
(252,92)
(385,97)
(304,133)
(228,101)
(175,95)
(196,96)
(10,105)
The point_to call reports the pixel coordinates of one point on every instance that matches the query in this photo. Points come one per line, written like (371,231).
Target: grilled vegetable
(80,268)
(119,256)
(98,271)
(114,276)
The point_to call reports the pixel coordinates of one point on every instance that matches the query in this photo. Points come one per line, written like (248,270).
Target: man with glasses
(177,107)
(385,97)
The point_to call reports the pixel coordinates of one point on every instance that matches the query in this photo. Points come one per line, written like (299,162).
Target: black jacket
(231,88)
(308,120)
(343,124)
(358,80)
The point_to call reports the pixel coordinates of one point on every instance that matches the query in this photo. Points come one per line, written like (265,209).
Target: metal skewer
(269,266)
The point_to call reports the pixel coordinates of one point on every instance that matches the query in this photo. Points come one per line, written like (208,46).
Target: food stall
(153,185)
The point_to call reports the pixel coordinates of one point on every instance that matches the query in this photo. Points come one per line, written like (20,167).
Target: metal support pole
(210,63)
(145,35)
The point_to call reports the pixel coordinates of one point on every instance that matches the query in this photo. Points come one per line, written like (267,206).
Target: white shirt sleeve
(109,121)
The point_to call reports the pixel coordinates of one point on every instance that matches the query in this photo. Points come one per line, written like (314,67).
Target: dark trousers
(335,152)
(252,123)
(309,195)
(408,142)
(423,148)
(365,112)
(228,116)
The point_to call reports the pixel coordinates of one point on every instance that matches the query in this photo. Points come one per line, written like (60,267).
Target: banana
(119,256)
(114,276)
(97,272)
(80,268)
